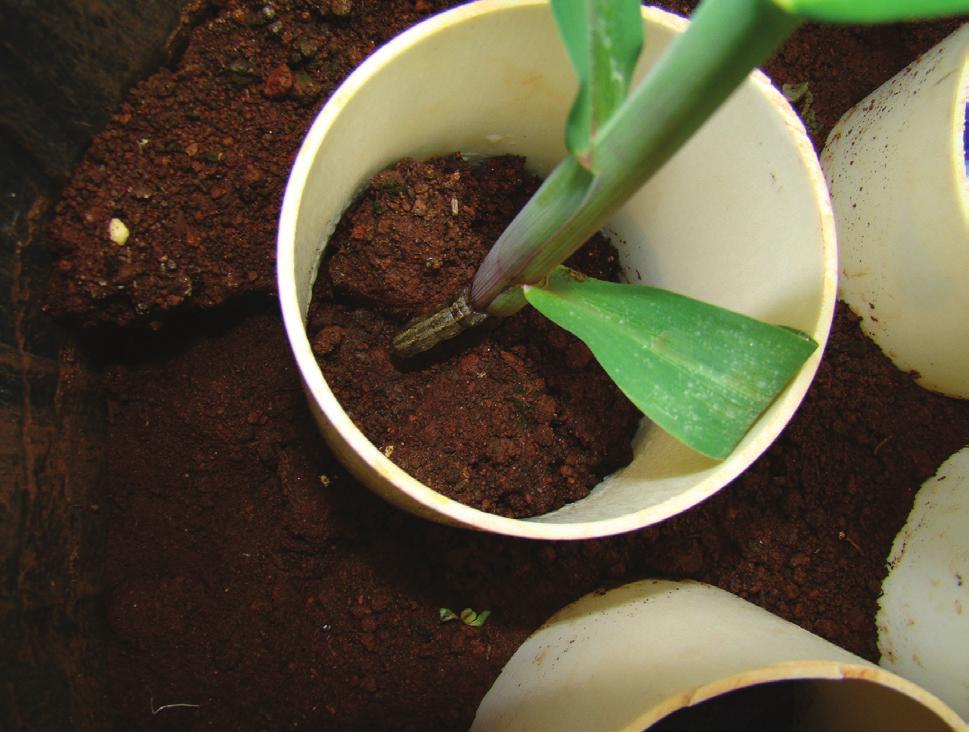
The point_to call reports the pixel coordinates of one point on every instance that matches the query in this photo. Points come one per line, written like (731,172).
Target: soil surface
(245,572)
(195,161)
(517,418)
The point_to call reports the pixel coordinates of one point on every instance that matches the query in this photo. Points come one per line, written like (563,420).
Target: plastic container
(896,167)
(740,217)
(625,659)
(923,616)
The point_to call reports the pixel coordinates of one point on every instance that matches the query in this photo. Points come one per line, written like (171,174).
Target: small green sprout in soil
(702,373)
(467,616)
(801,97)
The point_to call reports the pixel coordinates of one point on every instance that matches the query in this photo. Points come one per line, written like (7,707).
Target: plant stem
(726,39)
(522,246)
(423,334)
(704,65)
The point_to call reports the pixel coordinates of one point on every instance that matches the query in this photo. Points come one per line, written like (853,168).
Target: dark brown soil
(247,573)
(518,419)
(250,574)
(195,160)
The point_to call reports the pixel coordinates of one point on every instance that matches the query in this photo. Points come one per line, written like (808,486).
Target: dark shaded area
(63,67)
(760,708)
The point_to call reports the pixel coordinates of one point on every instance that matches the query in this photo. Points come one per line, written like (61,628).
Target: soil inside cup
(242,568)
(517,417)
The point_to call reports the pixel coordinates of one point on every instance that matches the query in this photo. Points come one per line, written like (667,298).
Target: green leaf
(603,39)
(446,615)
(702,373)
(872,11)
(475,620)
(480,619)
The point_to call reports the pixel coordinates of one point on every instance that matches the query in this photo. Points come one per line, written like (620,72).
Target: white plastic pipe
(740,217)
(896,167)
(923,616)
(627,658)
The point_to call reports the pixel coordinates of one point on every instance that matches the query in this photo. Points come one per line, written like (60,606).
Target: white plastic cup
(623,660)
(740,217)
(923,615)
(896,167)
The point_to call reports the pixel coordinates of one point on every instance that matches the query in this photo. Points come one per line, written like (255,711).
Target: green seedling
(475,620)
(803,100)
(701,373)
(467,616)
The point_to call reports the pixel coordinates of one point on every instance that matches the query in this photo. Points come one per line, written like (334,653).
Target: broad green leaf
(603,39)
(702,373)
(871,11)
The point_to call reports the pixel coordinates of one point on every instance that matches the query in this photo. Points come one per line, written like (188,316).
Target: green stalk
(872,11)
(725,41)
(702,373)
(523,245)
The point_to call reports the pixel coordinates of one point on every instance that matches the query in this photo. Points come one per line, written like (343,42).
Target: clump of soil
(517,419)
(196,159)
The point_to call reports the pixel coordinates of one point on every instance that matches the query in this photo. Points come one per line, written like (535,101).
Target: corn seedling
(700,372)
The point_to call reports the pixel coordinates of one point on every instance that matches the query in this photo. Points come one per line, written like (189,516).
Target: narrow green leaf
(702,373)
(872,11)
(603,39)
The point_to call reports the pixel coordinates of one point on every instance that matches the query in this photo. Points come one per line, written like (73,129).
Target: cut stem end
(422,334)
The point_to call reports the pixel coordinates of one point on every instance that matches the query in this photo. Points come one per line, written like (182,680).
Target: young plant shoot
(700,372)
